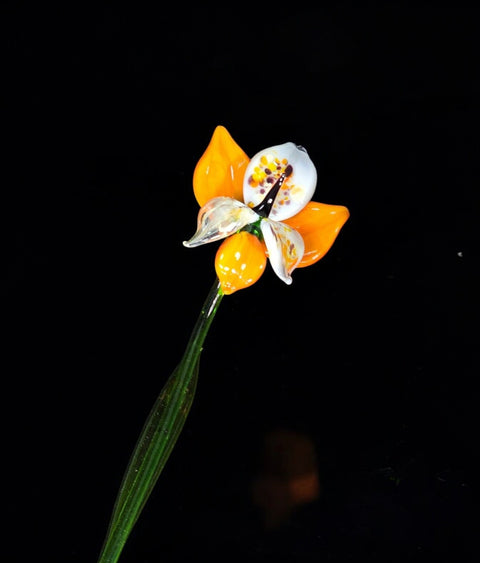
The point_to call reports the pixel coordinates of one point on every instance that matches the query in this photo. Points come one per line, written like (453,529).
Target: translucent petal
(285,248)
(221,169)
(240,261)
(267,166)
(319,225)
(220,218)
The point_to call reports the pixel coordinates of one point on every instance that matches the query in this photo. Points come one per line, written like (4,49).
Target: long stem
(159,435)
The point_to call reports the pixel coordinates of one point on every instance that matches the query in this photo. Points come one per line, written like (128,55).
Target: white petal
(266,167)
(219,218)
(285,248)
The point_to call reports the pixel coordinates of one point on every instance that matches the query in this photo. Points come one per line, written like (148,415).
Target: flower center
(254,229)
(265,206)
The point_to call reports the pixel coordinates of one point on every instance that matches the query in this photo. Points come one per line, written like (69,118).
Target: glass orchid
(263,208)
(260,209)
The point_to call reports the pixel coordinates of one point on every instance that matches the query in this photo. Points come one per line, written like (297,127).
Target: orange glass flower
(262,208)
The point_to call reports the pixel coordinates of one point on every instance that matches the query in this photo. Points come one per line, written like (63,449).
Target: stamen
(265,206)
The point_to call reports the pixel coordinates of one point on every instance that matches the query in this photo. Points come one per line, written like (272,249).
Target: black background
(370,353)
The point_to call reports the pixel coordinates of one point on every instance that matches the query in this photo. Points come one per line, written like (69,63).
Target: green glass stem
(159,435)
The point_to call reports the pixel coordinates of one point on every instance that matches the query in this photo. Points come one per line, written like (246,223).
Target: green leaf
(154,446)
(159,435)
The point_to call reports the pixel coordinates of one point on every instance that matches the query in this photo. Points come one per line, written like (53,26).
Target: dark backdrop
(369,355)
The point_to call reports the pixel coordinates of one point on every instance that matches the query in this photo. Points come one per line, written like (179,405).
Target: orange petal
(240,261)
(319,225)
(220,170)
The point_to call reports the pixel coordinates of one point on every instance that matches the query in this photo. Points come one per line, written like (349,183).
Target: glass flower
(261,208)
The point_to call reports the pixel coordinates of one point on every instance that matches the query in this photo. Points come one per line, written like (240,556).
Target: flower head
(260,207)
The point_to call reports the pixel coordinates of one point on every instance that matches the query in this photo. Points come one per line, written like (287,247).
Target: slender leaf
(158,437)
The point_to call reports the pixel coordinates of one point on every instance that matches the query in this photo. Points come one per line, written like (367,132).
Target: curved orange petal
(240,261)
(220,170)
(319,225)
